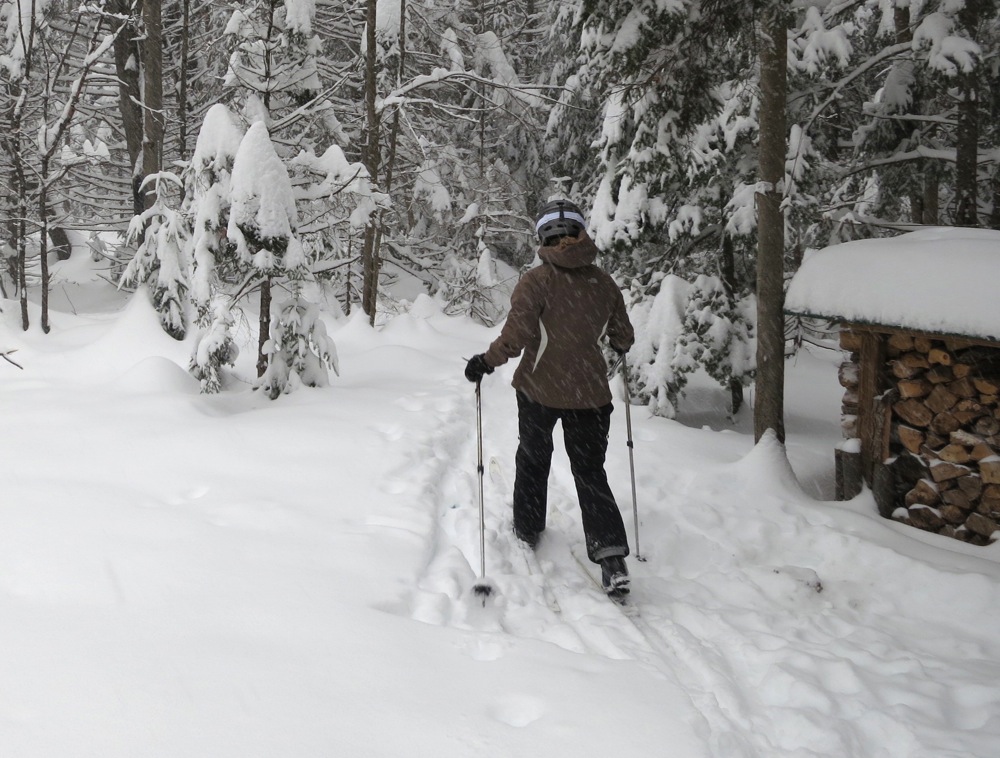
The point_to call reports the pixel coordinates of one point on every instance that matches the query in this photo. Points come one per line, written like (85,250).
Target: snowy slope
(183,575)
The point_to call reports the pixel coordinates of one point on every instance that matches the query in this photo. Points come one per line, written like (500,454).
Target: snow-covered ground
(226,576)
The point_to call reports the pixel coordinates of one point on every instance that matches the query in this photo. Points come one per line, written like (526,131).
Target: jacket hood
(570,252)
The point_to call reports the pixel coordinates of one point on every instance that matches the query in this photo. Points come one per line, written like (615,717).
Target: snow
(23,17)
(819,44)
(218,140)
(227,576)
(262,199)
(628,33)
(387,17)
(937,279)
(428,185)
(946,52)
(299,15)
(450,47)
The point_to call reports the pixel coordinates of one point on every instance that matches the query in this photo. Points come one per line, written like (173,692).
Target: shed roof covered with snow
(939,280)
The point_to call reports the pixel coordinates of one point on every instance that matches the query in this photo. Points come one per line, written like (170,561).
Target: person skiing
(559,311)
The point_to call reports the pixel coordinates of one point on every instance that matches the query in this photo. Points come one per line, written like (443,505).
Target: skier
(559,311)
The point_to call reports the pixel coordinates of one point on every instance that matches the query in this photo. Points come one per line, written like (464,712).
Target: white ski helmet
(559,218)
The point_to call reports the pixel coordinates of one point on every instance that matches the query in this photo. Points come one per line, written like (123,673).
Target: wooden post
(847,470)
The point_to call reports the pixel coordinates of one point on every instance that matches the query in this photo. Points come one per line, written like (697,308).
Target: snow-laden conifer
(263,217)
(656,377)
(263,225)
(717,335)
(215,347)
(158,261)
(300,350)
(208,199)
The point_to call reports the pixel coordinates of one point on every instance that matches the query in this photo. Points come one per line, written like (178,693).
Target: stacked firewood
(943,408)
(850,377)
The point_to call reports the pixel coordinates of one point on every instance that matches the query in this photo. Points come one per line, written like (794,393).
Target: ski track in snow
(790,693)
(544,594)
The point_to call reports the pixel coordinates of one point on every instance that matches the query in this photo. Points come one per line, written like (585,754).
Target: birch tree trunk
(769,400)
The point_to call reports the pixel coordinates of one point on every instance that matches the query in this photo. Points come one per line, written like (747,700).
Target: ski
(617,597)
(527,553)
(534,568)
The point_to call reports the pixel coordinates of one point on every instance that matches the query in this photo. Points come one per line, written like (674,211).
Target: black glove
(616,363)
(477,367)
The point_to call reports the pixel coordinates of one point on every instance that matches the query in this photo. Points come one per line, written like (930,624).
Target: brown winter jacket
(559,312)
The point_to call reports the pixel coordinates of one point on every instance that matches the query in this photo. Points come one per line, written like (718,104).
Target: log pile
(942,406)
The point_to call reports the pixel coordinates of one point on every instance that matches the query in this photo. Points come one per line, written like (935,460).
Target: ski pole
(483,588)
(631,457)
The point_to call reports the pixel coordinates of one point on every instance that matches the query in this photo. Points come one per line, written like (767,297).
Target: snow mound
(137,333)
(766,469)
(425,307)
(159,375)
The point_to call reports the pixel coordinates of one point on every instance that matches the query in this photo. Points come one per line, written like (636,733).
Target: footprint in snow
(411,403)
(517,710)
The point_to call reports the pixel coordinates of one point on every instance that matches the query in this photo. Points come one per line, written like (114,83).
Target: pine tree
(159,256)
(923,117)
(716,335)
(658,373)
(215,347)
(262,227)
(299,350)
(207,202)
(210,255)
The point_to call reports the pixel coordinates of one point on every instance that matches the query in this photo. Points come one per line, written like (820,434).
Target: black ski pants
(585,432)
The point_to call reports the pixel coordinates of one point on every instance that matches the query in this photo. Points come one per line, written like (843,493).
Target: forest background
(269,161)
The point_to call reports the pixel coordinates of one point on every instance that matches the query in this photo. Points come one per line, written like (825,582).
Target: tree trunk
(129,95)
(152,95)
(18,225)
(728,272)
(904,34)
(370,248)
(43,241)
(263,325)
(967,147)
(264,316)
(769,401)
(931,195)
(22,263)
(967,153)
(182,86)
(995,214)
